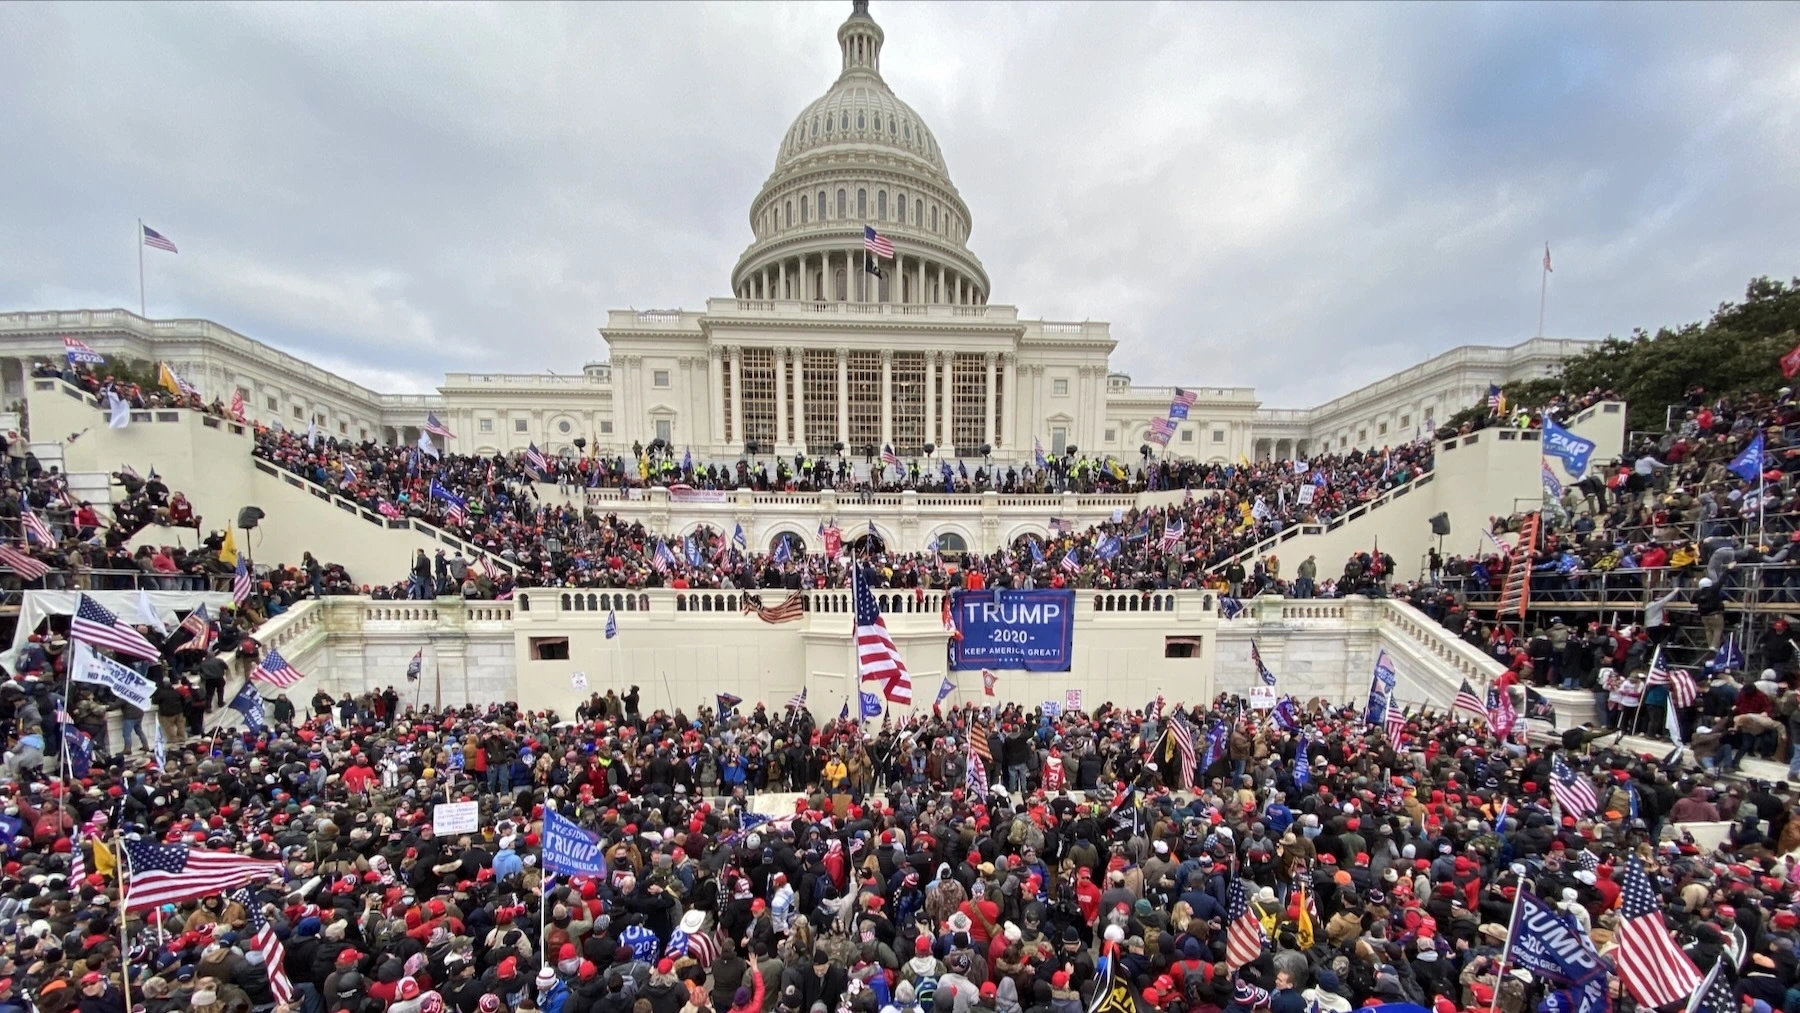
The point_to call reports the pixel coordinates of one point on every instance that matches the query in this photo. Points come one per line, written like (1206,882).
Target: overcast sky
(1301,198)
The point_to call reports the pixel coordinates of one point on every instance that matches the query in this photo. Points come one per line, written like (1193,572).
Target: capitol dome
(859,157)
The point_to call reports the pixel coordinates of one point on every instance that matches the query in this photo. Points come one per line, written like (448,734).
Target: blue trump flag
(1302,765)
(1747,465)
(871,704)
(1571,450)
(249,703)
(1552,946)
(571,848)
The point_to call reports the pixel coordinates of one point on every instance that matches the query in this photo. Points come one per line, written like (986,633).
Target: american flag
(1718,995)
(274,670)
(1547,268)
(791,608)
(1651,965)
(1494,397)
(25,566)
(77,861)
(534,459)
(1161,430)
(1683,691)
(237,403)
(171,873)
(797,702)
(156,240)
(99,628)
(1244,937)
(1394,721)
(436,428)
(274,954)
(35,528)
(240,582)
(1184,399)
(1153,711)
(1069,562)
(198,625)
(889,459)
(664,558)
(1173,532)
(1467,700)
(978,740)
(77,350)
(456,509)
(1262,670)
(416,666)
(876,243)
(1184,745)
(877,659)
(1575,794)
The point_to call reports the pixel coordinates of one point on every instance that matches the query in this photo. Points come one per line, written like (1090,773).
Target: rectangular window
(1429,412)
(549,648)
(1381,429)
(659,378)
(908,374)
(864,399)
(1187,436)
(1059,440)
(1059,388)
(606,427)
(1405,420)
(757,384)
(818,399)
(270,404)
(519,425)
(299,412)
(968,404)
(485,425)
(1362,436)
(1112,436)
(790,383)
(1218,436)
(1181,647)
(343,428)
(665,430)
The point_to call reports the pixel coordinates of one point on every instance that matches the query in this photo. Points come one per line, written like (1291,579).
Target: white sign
(1051,708)
(456,817)
(125,683)
(578,680)
(1262,698)
(1072,700)
(1306,494)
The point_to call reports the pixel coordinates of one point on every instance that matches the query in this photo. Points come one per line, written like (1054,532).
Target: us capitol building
(821,346)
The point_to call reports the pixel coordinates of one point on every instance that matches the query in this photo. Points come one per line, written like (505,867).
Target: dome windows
(861,123)
(881,204)
(815,131)
(803,216)
(878,123)
(789,214)
(906,130)
(821,205)
(845,118)
(843,205)
(862,203)
(900,205)
(892,129)
(934,218)
(830,124)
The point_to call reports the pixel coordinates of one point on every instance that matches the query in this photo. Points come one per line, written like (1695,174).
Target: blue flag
(249,703)
(1729,657)
(687,459)
(1302,765)
(1551,946)
(612,624)
(782,553)
(1571,450)
(1286,715)
(871,704)
(1108,547)
(1215,745)
(1037,552)
(844,715)
(1747,465)
(571,848)
(81,750)
(738,538)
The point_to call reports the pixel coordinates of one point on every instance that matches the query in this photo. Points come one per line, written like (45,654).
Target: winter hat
(546,977)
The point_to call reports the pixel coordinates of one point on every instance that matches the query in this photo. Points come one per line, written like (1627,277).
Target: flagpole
(1506,950)
(1543,291)
(141,312)
(119,856)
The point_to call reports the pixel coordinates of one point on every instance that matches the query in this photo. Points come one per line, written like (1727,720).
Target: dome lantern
(860,38)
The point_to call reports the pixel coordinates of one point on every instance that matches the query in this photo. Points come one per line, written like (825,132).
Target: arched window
(950,541)
(803,215)
(861,122)
(830,124)
(878,123)
(838,284)
(862,203)
(918,212)
(881,204)
(822,205)
(815,131)
(790,214)
(843,205)
(934,218)
(900,207)
(905,129)
(893,128)
(844,120)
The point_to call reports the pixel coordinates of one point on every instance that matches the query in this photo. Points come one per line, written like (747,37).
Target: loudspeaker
(1440,524)
(248,516)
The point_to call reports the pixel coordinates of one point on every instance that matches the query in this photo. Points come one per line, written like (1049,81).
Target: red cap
(922,945)
(665,966)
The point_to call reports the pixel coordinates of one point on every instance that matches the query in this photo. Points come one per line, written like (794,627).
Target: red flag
(1790,363)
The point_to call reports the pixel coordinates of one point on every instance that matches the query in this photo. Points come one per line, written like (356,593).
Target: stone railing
(1292,531)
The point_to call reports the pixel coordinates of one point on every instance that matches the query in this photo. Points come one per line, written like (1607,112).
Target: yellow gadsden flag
(172,383)
(228,549)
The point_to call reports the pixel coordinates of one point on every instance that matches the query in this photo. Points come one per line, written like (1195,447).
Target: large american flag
(1184,399)
(198,625)
(1172,533)
(876,243)
(877,659)
(534,459)
(35,529)
(889,459)
(791,608)
(1394,721)
(1243,931)
(978,738)
(24,565)
(1467,700)
(1683,691)
(274,954)
(1574,793)
(975,777)
(798,700)
(275,670)
(1650,963)
(171,873)
(156,240)
(99,628)
(237,403)
(1161,430)
(436,428)
(77,350)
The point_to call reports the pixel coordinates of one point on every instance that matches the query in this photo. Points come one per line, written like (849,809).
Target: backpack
(923,990)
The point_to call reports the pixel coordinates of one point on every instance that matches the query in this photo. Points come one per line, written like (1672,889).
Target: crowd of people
(970,861)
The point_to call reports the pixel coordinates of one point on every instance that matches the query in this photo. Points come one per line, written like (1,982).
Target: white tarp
(38,606)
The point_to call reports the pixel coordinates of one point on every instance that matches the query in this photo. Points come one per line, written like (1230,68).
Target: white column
(781,426)
(989,439)
(1009,410)
(781,283)
(931,359)
(843,396)
(736,366)
(948,417)
(943,294)
(710,397)
(921,286)
(887,397)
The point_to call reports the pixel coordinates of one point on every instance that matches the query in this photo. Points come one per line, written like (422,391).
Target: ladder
(1515,596)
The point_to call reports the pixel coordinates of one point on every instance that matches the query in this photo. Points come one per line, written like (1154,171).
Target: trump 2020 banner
(1029,630)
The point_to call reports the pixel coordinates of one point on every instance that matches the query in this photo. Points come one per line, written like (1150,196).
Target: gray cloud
(1296,197)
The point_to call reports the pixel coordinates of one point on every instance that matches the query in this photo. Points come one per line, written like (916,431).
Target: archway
(868,542)
(796,545)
